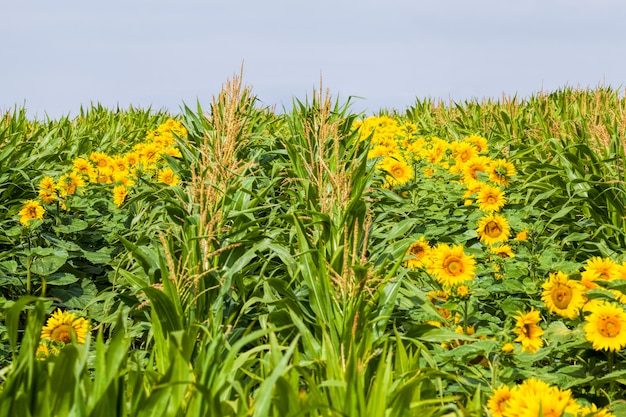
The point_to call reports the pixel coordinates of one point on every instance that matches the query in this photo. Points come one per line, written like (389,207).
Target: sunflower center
(493,229)
(562,296)
(32,212)
(418,251)
(453,266)
(491,199)
(397,172)
(61,334)
(609,326)
(526,329)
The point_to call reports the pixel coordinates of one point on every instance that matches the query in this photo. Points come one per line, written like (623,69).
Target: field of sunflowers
(449,259)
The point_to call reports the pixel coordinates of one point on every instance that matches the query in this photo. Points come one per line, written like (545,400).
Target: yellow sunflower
(380,151)
(605,327)
(490,198)
(418,252)
(167,176)
(502,251)
(62,324)
(132,160)
(528,332)
(462,291)
(399,172)
(595,412)
(563,296)
(84,167)
(475,165)
(45,349)
(534,398)
(498,401)
(522,235)
(69,183)
(463,151)
(501,171)
(47,190)
(605,267)
(101,159)
(31,210)
(493,228)
(451,265)
(479,141)
(119,194)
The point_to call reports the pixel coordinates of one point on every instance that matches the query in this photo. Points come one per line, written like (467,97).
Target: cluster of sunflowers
(485,180)
(534,397)
(60,327)
(120,171)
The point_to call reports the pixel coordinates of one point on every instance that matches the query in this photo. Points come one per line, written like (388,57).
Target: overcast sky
(59,55)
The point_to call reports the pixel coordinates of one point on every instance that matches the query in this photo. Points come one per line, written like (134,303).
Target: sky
(165,54)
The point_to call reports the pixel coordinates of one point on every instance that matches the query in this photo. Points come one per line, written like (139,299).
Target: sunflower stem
(465,316)
(610,361)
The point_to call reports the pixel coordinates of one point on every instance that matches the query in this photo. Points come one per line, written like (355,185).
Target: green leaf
(99,257)
(75,295)
(75,225)
(50,262)
(61,278)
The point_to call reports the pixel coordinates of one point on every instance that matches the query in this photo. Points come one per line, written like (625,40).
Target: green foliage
(273,279)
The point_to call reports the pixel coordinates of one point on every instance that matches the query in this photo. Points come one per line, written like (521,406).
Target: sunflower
(463,152)
(605,267)
(605,327)
(563,296)
(45,349)
(498,401)
(84,167)
(101,159)
(30,211)
(380,151)
(62,324)
(533,398)
(47,190)
(69,183)
(490,198)
(522,235)
(167,176)
(419,253)
(451,265)
(119,194)
(595,412)
(132,160)
(493,228)
(399,171)
(475,165)
(502,251)
(462,291)
(508,348)
(528,332)
(479,141)
(501,171)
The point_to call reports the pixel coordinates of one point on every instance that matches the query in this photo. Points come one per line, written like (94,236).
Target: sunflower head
(418,252)
(491,198)
(62,324)
(528,331)
(399,172)
(563,296)
(493,228)
(607,269)
(451,265)
(31,210)
(605,327)
(498,401)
